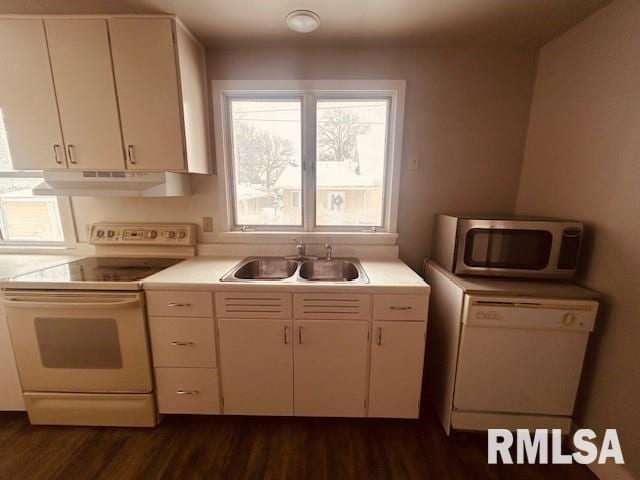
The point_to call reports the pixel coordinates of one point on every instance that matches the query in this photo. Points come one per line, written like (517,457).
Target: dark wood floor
(228,448)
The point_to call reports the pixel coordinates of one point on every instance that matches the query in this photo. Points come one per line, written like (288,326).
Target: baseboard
(609,470)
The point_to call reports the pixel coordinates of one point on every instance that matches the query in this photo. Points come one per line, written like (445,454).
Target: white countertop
(204,273)
(517,287)
(12,264)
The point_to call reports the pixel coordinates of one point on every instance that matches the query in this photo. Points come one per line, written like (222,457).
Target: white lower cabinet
(397,356)
(330,368)
(256,359)
(187,390)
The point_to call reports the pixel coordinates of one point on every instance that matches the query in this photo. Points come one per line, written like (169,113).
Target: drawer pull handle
(286,335)
(300,335)
(400,307)
(182,344)
(56,154)
(187,392)
(379,342)
(174,304)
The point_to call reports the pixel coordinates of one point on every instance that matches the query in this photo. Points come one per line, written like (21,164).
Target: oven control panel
(142,234)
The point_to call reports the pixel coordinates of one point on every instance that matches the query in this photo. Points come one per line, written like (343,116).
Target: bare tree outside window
(266,151)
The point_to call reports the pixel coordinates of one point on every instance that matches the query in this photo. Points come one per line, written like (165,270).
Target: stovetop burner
(100,269)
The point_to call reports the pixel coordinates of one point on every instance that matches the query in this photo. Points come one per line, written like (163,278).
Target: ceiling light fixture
(303,21)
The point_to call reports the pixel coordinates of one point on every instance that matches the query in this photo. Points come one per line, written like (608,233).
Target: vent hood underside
(114,184)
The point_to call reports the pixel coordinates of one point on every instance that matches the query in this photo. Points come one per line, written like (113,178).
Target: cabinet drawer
(179,304)
(332,306)
(400,307)
(253,305)
(187,390)
(183,341)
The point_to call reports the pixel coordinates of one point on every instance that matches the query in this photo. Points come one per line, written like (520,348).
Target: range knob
(153,234)
(110,233)
(171,234)
(100,233)
(182,234)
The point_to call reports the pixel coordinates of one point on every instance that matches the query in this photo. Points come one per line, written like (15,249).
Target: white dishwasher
(521,355)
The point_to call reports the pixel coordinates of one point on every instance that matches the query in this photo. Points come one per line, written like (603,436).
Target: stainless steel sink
(266,269)
(335,270)
(281,269)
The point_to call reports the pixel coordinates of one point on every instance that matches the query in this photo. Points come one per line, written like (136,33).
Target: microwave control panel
(142,234)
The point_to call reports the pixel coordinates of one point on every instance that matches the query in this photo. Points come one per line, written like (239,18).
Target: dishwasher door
(522,355)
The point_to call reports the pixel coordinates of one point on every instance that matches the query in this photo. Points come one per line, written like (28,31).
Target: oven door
(79,342)
(509,248)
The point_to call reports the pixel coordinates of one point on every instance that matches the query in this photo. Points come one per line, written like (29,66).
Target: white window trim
(66,220)
(395,89)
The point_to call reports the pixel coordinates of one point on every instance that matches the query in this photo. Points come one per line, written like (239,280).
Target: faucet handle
(328,248)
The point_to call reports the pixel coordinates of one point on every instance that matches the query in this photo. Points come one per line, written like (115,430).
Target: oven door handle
(13,302)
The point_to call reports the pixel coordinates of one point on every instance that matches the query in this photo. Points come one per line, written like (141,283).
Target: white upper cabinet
(145,69)
(27,98)
(83,79)
(104,93)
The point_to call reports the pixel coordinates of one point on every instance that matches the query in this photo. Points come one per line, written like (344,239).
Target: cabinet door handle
(300,335)
(379,340)
(131,155)
(187,392)
(70,150)
(179,343)
(174,304)
(286,335)
(400,307)
(56,153)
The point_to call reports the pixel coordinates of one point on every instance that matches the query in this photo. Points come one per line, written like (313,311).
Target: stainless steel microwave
(507,246)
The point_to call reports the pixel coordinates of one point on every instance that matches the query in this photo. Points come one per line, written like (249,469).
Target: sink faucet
(302,251)
(328,248)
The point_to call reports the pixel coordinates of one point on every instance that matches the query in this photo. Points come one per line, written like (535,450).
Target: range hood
(114,184)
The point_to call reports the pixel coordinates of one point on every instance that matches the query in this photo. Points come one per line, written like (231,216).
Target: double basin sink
(270,269)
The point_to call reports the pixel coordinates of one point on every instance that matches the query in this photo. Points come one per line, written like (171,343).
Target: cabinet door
(144,64)
(27,98)
(397,356)
(83,78)
(330,368)
(256,362)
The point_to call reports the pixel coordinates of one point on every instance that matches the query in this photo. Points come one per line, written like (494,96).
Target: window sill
(353,238)
(37,249)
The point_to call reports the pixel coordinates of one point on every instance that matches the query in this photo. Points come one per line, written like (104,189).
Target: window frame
(66,220)
(310,91)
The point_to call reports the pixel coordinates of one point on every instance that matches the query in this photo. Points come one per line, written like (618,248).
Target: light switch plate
(207,224)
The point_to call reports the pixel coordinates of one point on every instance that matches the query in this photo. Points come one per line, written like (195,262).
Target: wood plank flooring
(208,447)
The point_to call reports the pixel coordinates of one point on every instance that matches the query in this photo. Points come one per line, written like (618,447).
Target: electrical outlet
(414,162)
(207,224)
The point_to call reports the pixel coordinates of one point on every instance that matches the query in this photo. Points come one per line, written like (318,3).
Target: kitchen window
(310,156)
(27,219)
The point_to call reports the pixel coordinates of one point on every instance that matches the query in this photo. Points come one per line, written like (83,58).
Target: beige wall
(582,161)
(466,116)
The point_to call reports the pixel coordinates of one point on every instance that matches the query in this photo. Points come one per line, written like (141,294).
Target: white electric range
(79,329)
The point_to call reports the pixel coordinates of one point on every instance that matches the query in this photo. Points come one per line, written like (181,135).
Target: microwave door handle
(58,305)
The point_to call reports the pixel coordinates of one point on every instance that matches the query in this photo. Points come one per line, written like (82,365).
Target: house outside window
(310,158)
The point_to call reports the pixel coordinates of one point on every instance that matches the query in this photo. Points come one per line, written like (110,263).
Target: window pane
(267,161)
(351,158)
(24,217)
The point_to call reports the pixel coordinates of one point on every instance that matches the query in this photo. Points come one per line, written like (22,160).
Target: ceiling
(500,23)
